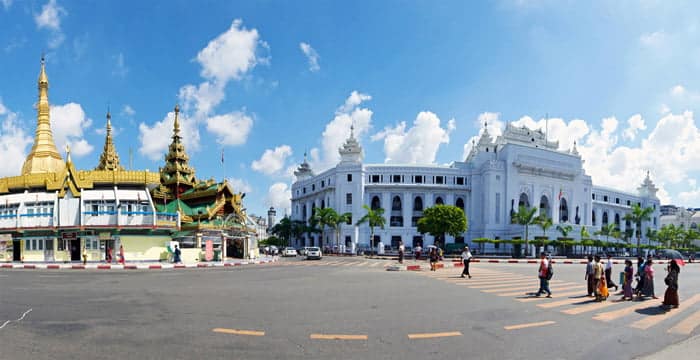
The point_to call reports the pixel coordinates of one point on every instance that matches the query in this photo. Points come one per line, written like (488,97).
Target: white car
(290,251)
(313,253)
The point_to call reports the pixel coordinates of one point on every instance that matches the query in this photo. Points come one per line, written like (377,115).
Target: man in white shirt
(401,250)
(608,273)
(466,259)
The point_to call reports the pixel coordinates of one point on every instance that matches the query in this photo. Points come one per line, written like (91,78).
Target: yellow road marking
(480,281)
(612,315)
(239,332)
(337,337)
(535,324)
(507,284)
(565,302)
(434,335)
(588,307)
(554,296)
(687,325)
(362,263)
(519,290)
(375,264)
(652,320)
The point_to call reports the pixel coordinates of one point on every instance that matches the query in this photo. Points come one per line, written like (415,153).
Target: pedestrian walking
(417,250)
(121,254)
(627,283)
(640,276)
(466,259)
(401,250)
(608,273)
(177,253)
(599,276)
(590,279)
(84,255)
(671,280)
(109,255)
(433,259)
(648,288)
(545,273)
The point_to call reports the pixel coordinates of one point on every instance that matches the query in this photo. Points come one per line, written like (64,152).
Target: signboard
(105,236)
(5,243)
(209,250)
(69,235)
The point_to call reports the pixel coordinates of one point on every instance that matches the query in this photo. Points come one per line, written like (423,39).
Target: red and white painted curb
(454,264)
(134,266)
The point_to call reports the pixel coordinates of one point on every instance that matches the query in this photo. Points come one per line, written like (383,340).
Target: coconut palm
(525,217)
(638,216)
(373,218)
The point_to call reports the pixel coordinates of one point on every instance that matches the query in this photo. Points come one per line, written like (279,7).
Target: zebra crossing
(570,298)
(372,264)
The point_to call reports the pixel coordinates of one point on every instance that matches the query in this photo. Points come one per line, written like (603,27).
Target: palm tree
(525,217)
(638,216)
(545,223)
(325,217)
(566,229)
(373,218)
(607,231)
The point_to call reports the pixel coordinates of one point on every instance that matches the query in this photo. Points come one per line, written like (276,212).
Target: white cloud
(311,56)
(338,130)
(240,185)
(127,110)
(155,139)
(14,142)
(678,90)
(50,18)
(494,125)
(120,68)
(635,123)
(230,129)
(654,39)
(68,123)
(419,144)
(272,161)
(279,196)
(230,55)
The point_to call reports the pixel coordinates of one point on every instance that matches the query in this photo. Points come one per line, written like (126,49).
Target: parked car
(289,251)
(313,253)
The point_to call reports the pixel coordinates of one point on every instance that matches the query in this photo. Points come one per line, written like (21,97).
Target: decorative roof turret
(528,137)
(574,151)
(351,151)
(44,156)
(177,170)
(647,189)
(109,159)
(304,170)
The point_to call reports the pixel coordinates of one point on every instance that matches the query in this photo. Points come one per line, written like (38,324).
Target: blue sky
(266,81)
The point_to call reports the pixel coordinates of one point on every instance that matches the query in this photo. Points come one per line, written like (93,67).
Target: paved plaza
(341,308)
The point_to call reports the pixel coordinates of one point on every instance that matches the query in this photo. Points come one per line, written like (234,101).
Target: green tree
(545,223)
(439,220)
(285,229)
(608,230)
(638,216)
(373,218)
(566,229)
(330,218)
(525,217)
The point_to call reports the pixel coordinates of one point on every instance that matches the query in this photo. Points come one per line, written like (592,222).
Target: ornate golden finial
(177,121)
(68,153)
(109,159)
(177,170)
(44,157)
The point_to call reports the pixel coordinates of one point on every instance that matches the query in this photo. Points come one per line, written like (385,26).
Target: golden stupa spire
(44,157)
(177,170)
(109,159)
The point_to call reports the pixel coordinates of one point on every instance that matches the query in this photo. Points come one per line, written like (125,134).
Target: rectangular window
(27,245)
(304,191)
(460,180)
(375,178)
(605,198)
(498,208)
(396,178)
(617,200)
(593,195)
(40,244)
(348,199)
(323,183)
(418,179)
(439,179)
(349,220)
(349,177)
(313,187)
(34,245)
(628,203)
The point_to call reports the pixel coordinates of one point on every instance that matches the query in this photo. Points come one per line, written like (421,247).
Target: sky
(265,82)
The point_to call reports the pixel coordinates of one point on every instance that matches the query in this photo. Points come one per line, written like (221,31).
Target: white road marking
(18,320)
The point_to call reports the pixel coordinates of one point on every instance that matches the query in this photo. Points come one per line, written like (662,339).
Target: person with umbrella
(671,295)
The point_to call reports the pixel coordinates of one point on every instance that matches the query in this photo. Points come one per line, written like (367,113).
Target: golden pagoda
(44,157)
(109,159)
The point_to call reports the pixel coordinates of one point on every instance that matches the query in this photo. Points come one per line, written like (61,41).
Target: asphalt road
(288,310)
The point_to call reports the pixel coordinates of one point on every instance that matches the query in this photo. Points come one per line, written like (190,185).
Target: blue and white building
(521,167)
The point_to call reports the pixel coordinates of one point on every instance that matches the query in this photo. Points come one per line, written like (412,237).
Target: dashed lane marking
(515,291)
(650,321)
(434,335)
(504,284)
(337,337)
(572,300)
(529,325)
(554,296)
(687,325)
(375,264)
(239,332)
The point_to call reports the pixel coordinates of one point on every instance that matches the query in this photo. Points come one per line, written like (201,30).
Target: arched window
(396,203)
(323,204)
(617,220)
(418,204)
(563,211)
(605,218)
(593,218)
(524,201)
(376,203)
(544,207)
(438,201)
(460,203)
(694,226)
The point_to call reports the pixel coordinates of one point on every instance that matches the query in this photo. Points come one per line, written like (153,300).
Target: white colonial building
(521,167)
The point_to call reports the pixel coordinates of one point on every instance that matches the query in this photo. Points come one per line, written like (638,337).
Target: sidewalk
(686,349)
(413,265)
(138,266)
